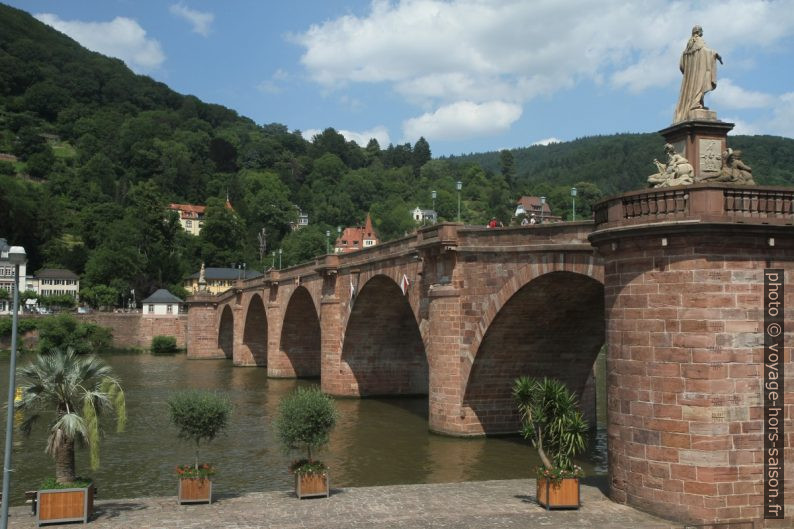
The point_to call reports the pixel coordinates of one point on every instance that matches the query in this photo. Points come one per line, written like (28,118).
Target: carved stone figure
(202,279)
(734,170)
(676,172)
(699,66)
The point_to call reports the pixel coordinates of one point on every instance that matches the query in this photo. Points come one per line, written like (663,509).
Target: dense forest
(95,153)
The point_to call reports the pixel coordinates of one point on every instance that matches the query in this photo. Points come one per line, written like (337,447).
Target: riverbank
(505,504)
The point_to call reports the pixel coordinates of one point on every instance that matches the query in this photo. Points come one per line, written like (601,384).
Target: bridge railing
(697,203)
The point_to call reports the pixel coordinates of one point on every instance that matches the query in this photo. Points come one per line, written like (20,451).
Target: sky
(467,75)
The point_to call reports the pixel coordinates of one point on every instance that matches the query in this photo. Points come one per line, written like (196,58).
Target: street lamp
(16,255)
(279,258)
(573,200)
(274,259)
(542,204)
(327,242)
(459,186)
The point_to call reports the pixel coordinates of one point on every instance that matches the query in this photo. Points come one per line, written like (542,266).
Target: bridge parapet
(704,203)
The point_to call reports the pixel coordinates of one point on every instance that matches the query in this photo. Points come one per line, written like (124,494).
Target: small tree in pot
(200,417)
(75,391)
(550,418)
(305,420)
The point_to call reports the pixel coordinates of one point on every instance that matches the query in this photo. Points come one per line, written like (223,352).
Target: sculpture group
(698,66)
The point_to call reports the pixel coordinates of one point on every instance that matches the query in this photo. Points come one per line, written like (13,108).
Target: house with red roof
(356,237)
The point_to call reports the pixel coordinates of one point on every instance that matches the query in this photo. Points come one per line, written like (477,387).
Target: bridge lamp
(433,194)
(542,204)
(458,186)
(573,201)
(17,257)
(327,242)
(279,258)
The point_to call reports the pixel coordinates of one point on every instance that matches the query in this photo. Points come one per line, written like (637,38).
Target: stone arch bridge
(670,279)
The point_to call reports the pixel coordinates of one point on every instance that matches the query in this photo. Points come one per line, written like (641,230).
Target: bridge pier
(443,351)
(684,279)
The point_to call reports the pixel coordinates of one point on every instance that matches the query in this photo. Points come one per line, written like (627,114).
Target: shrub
(163,344)
(23,325)
(551,419)
(66,332)
(305,420)
(199,416)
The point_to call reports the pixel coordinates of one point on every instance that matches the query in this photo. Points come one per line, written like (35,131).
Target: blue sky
(468,75)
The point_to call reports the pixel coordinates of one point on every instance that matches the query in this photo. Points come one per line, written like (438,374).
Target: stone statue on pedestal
(699,66)
(676,172)
(202,279)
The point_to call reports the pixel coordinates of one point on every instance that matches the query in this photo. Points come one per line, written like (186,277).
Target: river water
(376,441)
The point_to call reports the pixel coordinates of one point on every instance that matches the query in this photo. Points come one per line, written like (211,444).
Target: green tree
(305,420)
(200,416)
(223,235)
(74,392)
(551,419)
(303,245)
(420,155)
(507,166)
(63,332)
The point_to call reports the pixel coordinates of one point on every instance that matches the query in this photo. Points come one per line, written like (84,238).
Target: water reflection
(377,441)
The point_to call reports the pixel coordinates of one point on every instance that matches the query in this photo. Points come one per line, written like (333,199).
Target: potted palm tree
(73,391)
(305,420)
(550,418)
(199,416)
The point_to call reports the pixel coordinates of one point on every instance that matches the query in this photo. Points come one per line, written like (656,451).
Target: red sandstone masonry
(137,330)
(708,417)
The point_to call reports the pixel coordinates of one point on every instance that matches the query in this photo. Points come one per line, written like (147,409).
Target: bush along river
(381,441)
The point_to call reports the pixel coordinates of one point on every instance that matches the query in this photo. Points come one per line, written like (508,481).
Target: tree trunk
(543,458)
(64,462)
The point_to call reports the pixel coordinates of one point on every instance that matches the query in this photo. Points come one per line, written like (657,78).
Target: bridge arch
(383,352)
(299,345)
(226,332)
(553,325)
(255,333)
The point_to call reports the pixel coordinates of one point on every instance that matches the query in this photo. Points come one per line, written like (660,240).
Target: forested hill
(622,162)
(91,154)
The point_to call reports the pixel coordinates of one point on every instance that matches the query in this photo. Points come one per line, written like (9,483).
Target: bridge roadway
(671,279)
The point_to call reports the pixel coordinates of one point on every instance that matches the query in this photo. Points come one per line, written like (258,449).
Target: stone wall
(133,330)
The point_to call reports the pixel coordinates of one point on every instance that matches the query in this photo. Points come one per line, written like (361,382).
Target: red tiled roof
(188,211)
(353,237)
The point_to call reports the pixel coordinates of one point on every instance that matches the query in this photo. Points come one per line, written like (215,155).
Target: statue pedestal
(700,141)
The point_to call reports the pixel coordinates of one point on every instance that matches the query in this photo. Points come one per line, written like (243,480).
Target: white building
(7,277)
(424,216)
(162,303)
(55,282)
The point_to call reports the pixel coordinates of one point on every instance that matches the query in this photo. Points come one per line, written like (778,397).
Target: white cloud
(436,53)
(122,38)
(380,133)
(547,141)
(463,119)
(274,85)
(200,21)
(730,95)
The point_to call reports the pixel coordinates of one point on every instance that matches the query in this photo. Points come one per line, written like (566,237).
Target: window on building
(189,223)
(169,309)
(151,309)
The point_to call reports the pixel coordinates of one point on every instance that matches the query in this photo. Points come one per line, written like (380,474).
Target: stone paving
(472,505)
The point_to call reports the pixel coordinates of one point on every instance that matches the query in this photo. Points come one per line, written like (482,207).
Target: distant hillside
(622,162)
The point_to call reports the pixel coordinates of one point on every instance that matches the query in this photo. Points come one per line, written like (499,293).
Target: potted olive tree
(199,416)
(305,420)
(550,418)
(73,392)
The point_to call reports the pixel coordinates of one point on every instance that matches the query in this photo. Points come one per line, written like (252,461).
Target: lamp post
(279,258)
(458,186)
(434,194)
(16,255)
(542,204)
(573,200)
(327,242)
(274,259)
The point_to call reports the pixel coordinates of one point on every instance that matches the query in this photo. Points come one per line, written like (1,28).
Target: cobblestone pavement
(472,505)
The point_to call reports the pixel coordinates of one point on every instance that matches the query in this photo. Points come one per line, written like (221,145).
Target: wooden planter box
(64,505)
(312,485)
(195,490)
(562,495)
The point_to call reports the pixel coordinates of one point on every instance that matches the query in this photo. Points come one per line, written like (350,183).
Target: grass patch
(78,483)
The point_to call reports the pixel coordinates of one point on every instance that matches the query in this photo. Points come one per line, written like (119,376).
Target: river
(380,441)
